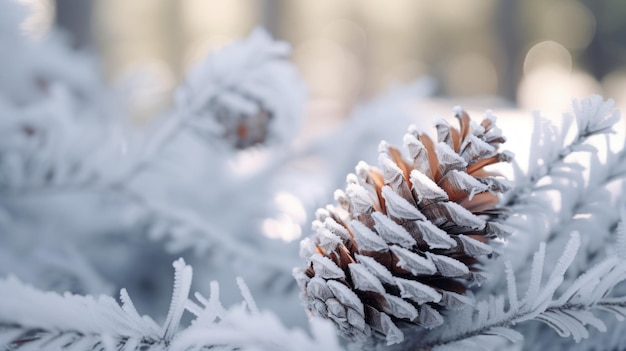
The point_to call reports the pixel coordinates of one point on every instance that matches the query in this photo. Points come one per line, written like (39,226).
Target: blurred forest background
(483,53)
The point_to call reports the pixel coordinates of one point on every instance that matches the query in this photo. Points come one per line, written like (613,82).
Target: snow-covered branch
(248,92)
(568,313)
(550,146)
(563,191)
(31,319)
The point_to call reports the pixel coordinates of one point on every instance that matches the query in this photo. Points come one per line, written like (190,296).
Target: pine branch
(549,147)
(32,319)
(582,194)
(568,314)
(610,340)
(246,328)
(49,320)
(584,208)
(594,192)
(235,85)
(63,268)
(548,160)
(195,232)
(50,144)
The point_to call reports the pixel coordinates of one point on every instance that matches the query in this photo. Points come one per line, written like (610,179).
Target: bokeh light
(547,54)
(550,81)
(567,22)
(287,225)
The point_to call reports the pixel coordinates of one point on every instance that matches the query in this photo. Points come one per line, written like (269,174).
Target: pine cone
(402,245)
(247,94)
(244,130)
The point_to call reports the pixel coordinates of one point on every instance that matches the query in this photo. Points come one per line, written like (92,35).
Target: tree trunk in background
(175,33)
(597,60)
(74,17)
(270,17)
(510,44)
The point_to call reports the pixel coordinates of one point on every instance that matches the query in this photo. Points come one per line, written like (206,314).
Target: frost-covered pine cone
(403,243)
(247,94)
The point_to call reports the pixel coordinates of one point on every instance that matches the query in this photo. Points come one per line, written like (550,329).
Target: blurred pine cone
(244,130)
(403,244)
(247,93)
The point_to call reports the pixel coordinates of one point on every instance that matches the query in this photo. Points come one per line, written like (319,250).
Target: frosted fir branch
(568,314)
(593,212)
(549,146)
(244,327)
(60,269)
(199,234)
(46,144)
(193,230)
(181,229)
(32,319)
(255,67)
(612,339)
(583,193)
(584,206)
(35,159)
(47,320)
